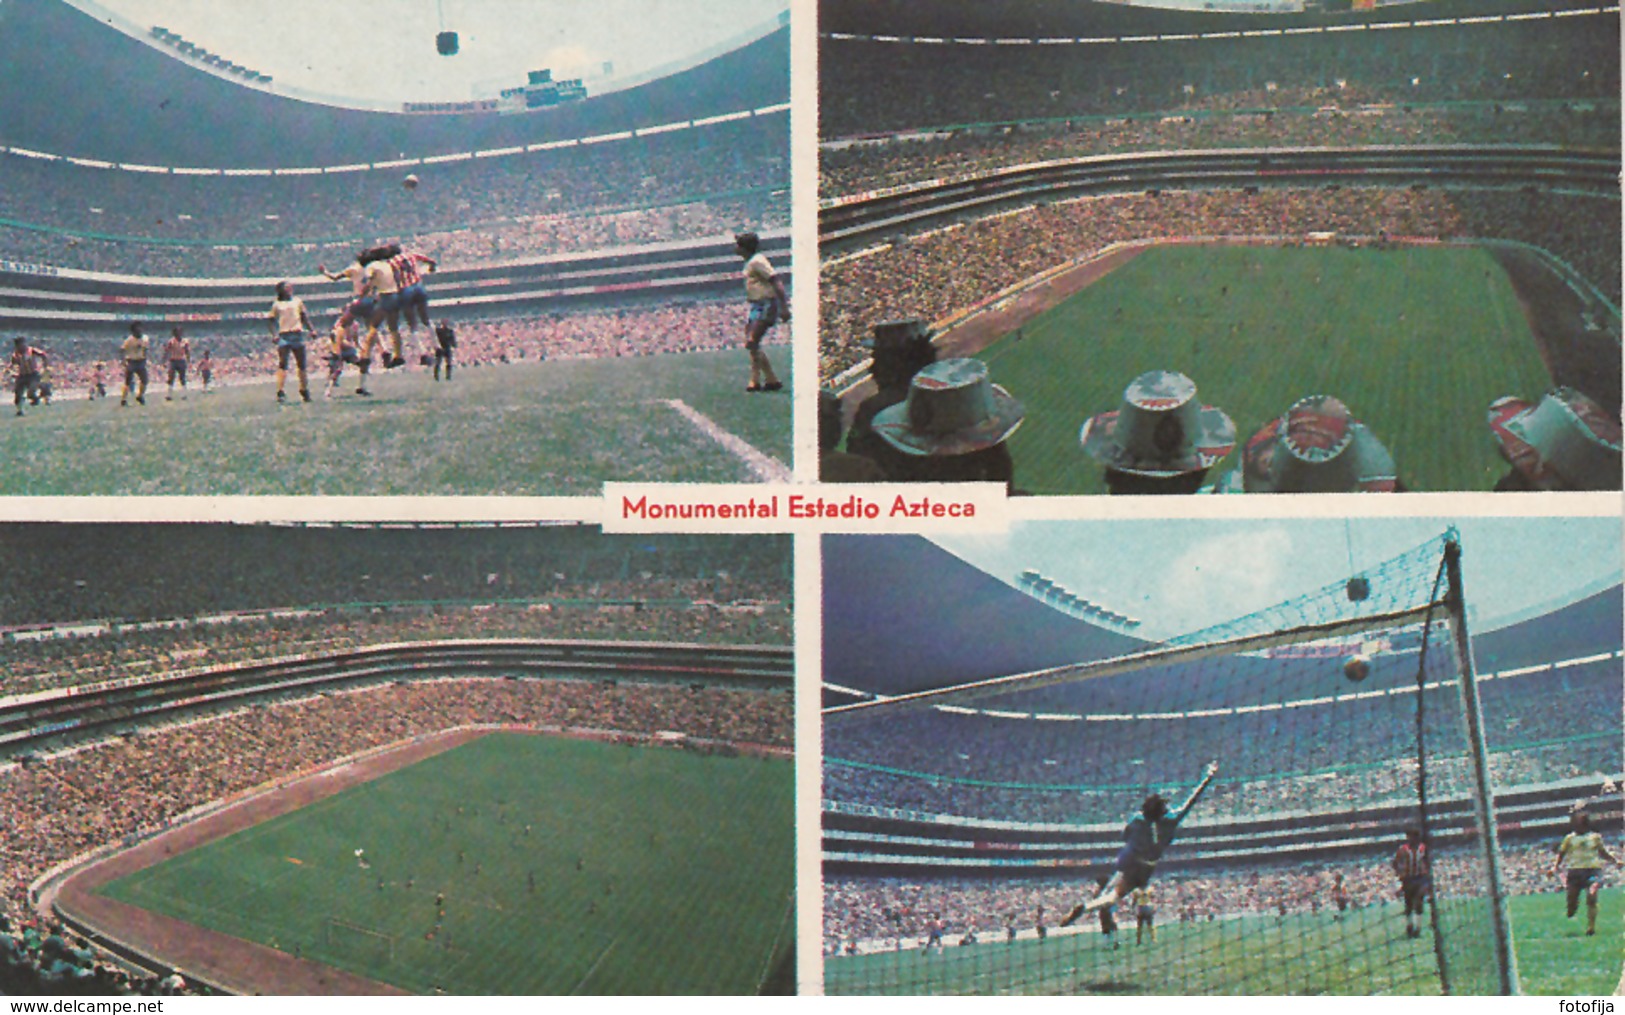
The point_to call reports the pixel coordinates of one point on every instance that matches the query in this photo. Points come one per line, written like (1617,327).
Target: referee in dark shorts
(445,340)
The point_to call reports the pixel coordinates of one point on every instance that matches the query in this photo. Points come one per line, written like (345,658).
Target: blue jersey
(1144,839)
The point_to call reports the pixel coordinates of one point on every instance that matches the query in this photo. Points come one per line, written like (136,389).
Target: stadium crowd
(951,270)
(1301,763)
(190,570)
(43,957)
(45,664)
(879,913)
(666,187)
(1309,117)
(57,807)
(633,330)
(919,85)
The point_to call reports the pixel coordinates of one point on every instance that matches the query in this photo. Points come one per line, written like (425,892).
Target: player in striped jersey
(27,364)
(1413,865)
(414,298)
(1584,852)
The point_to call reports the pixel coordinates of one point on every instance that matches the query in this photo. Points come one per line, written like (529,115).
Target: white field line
(764,467)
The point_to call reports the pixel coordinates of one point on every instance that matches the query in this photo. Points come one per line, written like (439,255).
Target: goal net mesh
(962,825)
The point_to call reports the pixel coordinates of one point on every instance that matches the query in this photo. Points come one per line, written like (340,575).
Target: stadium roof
(133,99)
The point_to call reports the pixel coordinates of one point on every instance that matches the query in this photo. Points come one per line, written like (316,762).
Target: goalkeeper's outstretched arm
(1208,773)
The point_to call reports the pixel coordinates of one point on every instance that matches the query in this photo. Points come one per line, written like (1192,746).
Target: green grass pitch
(655,871)
(1366,953)
(559,428)
(1416,341)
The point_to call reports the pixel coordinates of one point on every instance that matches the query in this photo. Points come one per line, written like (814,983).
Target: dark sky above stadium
(384,52)
(1176,576)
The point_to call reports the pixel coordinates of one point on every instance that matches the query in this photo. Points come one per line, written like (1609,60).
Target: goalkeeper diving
(1145,837)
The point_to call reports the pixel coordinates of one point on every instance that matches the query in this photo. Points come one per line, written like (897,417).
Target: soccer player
(361,303)
(98,382)
(134,351)
(342,350)
(205,370)
(768,306)
(1584,852)
(933,934)
(1340,895)
(1145,837)
(178,351)
(1108,918)
(1413,865)
(1144,915)
(289,325)
(414,299)
(385,290)
(445,340)
(26,365)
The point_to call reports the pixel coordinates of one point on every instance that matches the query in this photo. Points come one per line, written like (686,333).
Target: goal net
(963,825)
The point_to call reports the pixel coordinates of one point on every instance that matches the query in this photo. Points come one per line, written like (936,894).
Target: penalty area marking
(765,467)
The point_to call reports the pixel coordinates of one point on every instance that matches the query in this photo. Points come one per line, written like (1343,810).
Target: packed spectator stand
(205,602)
(972,90)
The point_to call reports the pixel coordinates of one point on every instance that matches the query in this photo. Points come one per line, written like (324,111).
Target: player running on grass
(768,306)
(1145,838)
(1584,852)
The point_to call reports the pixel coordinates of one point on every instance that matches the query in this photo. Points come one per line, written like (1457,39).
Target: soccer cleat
(19,412)
(363,391)
(124,403)
(281,396)
(753,388)
(304,393)
(775,386)
(141,400)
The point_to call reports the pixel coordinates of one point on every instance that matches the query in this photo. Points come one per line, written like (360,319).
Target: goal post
(962,823)
(1499,975)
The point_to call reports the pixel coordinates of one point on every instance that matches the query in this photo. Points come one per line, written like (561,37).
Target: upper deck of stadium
(121,99)
(902,615)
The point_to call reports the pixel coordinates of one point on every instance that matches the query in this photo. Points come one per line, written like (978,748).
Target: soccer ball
(359,852)
(411,181)
(1356,668)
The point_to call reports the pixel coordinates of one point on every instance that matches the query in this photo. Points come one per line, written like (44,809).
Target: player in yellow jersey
(134,352)
(341,350)
(385,288)
(768,305)
(1145,913)
(289,325)
(1584,852)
